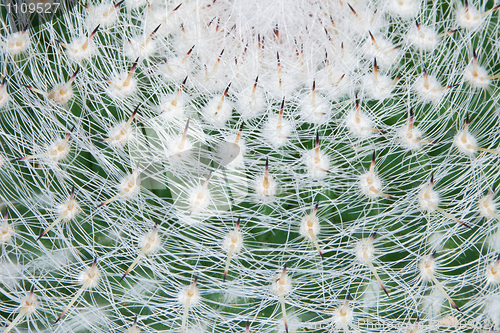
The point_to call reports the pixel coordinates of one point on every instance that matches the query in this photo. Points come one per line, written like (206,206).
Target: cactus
(258,166)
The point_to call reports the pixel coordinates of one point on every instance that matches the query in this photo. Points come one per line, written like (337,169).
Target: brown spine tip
(371,36)
(238,222)
(375,64)
(416,24)
(464,224)
(411,113)
(119,3)
(134,66)
(385,290)
(156,30)
(474,55)
(178,6)
(227,89)
(317,139)
(314,85)
(135,111)
(41,235)
(72,195)
(433,255)
(101,204)
(59,318)
(190,50)
(431,182)
(267,164)
(75,73)
(32,289)
(467,119)
(373,157)
(225,275)
(60,42)
(124,275)
(352,9)
(6,214)
(95,30)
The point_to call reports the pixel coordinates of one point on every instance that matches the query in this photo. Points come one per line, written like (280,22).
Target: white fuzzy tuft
(217,111)
(476,75)
(189,296)
(17,42)
(317,163)
(282,284)
(4,95)
(58,150)
(150,242)
(309,226)
(69,209)
(423,38)
(89,278)
(129,185)
(6,231)
(465,142)
(233,241)
(428,88)
(487,206)
(365,250)
(468,17)
(428,199)
(370,184)
(493,272)
(427,267)
(199,199)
